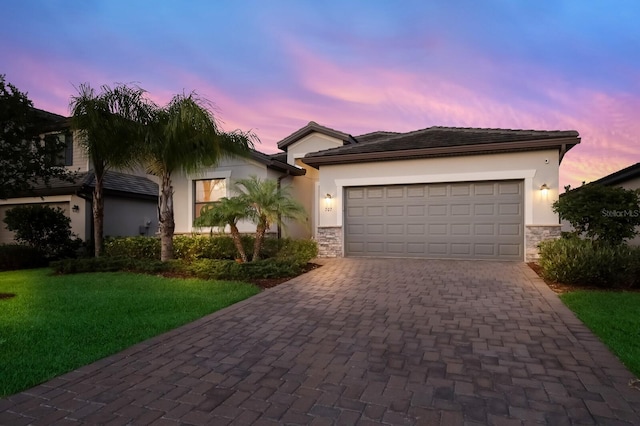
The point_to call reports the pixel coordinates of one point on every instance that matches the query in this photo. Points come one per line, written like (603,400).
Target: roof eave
(313,128)
(562,144)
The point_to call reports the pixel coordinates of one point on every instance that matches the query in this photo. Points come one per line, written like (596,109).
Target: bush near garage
(572,260)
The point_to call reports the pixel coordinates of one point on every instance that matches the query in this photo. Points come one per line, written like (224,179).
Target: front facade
(436,192)
(130,199)
(433,193)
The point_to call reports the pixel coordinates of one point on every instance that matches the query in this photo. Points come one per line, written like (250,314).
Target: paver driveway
(359,341)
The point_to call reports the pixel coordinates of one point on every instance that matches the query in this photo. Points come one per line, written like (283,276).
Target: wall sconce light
(75,208)
(544,188)
(327,203)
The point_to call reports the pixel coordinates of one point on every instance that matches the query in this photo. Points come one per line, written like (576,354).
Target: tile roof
(275,162)
(115,183)
(620,176)
(124,183)
(439,141)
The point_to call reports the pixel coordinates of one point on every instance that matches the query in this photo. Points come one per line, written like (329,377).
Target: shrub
(299,252)
(215,269)
(44,228)
(113,264)
(189,247)
(133,247)
(609,214)
(17,256)
(578,261)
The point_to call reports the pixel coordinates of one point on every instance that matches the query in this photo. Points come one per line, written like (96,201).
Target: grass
(614,317)
(56,324)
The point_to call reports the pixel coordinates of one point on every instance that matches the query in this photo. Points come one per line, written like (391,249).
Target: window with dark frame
(207,191)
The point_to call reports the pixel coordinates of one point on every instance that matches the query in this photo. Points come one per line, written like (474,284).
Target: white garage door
(471,220)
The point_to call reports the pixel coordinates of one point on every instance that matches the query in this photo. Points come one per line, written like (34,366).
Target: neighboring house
(438,192)
(627,178)
(131,199)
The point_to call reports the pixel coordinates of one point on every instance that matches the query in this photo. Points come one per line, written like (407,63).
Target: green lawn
(614,317)
(56,324)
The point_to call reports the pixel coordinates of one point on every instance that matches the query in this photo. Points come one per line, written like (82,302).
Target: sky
(355,66)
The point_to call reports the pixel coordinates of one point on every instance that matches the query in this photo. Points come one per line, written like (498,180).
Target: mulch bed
(265,283)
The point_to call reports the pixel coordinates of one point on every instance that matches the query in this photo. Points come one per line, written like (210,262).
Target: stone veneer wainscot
(534,235)
(330,241)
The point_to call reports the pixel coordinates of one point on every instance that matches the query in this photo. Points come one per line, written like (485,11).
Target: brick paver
(359,341)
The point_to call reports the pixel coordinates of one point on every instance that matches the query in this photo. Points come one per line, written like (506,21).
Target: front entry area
(468,220)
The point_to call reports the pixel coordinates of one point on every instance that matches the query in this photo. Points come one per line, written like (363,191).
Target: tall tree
(111,129)
(26,159)
(271,204)
(185,136)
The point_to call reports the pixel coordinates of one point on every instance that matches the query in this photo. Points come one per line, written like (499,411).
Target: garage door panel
(395,229)
(509,209)
(416,210)
(454,220)
(375,211)
(461,229)
(460,249)
(509,229)
(509,249)
(397,192)
(437,229)
(416,191)
(460,190)
(395,211)
(437,190)
(374,193)
(437,210)
(460,209)
(484,209)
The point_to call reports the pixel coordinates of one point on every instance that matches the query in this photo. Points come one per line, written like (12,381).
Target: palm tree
(227,211)
(271,204)
(110,126)
(185,136)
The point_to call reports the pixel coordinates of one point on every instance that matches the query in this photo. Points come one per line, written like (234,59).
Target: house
(131,199)
(439,192)
(627,178)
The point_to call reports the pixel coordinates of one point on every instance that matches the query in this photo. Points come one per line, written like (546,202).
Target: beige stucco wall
(311,143)
(230,169)
(303,190)
(79,223)
(534,168)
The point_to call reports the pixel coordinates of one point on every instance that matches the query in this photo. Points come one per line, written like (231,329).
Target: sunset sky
(356,66)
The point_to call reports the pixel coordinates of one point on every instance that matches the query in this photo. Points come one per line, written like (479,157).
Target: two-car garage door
(473,220)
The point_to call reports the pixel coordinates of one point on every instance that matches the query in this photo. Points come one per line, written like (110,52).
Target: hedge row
(215,269)
(200,256)
(585,262)
(18,256)
(187,247)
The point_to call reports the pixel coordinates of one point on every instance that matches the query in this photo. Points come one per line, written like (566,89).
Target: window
(207,191)
(65,157)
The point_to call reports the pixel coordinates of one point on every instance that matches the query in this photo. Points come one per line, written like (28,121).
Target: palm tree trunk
(257,246)
(167,224)
(97,207)
(235,235)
